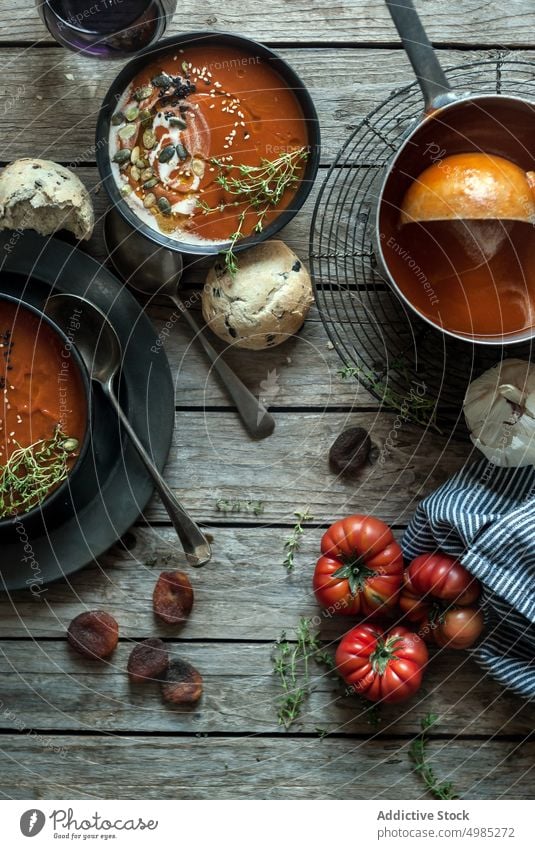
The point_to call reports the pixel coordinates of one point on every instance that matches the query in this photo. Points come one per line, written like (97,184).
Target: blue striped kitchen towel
(485,516)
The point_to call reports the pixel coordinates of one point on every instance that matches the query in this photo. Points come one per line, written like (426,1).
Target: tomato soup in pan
(43,409)
(208,142)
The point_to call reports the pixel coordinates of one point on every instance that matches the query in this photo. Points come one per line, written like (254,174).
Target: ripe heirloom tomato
(361,567)
(459,627)
(413,606)
(444,577)
(380,665)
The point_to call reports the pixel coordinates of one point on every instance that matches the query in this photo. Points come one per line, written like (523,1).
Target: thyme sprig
(240,505)
(260,186)
(291,665)
(293,542)
(419,408)
(32,471)
(421,764)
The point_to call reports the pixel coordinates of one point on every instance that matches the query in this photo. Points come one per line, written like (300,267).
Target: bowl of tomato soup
(209,141)
(44,414)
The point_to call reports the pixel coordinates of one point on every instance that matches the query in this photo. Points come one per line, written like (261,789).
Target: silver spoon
(100,349)
(153,271)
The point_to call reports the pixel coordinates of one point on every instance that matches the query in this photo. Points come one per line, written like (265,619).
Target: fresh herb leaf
(238,505)
(31,472)
(262,187)
(290,664)
(293,542)
(417,407)
(420,761)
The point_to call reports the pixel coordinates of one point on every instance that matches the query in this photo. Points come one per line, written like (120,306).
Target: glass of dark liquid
(106,28)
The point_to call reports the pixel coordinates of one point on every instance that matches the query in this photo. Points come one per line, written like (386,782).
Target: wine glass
(106,28)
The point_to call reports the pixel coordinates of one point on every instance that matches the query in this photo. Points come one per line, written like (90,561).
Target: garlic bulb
(499,409)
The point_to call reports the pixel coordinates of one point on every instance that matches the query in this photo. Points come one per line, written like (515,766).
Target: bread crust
(264,303)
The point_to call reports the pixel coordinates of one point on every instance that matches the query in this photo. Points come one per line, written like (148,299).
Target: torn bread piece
(36,194)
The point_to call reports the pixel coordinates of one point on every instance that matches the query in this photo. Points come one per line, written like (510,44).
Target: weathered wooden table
(73,729)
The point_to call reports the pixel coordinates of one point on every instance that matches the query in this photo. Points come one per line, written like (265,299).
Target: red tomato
(361,568)
(459,627)
(444,577)
(449,619)
(382,666)
(411,603)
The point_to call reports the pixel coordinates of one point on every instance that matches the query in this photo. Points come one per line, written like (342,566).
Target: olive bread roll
(263,303)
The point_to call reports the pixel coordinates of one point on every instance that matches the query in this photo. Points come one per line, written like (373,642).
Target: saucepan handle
(435,87)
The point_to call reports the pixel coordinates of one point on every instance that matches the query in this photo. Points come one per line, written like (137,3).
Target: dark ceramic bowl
(121,83)
(58,503)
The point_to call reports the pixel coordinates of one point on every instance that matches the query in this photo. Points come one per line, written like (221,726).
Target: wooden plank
(308,361)
(458,22)
(245,593)
(48,114)
(48,687)
(214,768)
(212,458)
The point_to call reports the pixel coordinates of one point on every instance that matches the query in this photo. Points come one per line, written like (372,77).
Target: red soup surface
(196,121)
(470,277)
(43,409)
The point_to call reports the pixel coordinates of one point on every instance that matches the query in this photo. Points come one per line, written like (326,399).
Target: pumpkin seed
(150,183)
(167,153)
(141,163)
(175,121)
(126,189)
(127,132)
(149,201)
(182,153)
(162,80)
(149,139)
(197,166)
(122,156)
(117,119)
(145,117)
(143,92)
(164,206)
(70,444)
(135,174)
(134,156)
(147,173)
(132,113)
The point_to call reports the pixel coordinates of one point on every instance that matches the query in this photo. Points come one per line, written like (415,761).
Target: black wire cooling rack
(408,365)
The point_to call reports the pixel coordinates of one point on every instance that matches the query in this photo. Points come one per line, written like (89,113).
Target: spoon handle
(195,544)
(257,420)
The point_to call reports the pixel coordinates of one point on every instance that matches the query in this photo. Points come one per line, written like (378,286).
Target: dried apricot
(148,660)
(94,634)
(173,597)
(350,451)
(182,684)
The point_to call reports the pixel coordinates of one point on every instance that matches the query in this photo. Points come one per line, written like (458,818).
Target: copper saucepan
(458,123)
